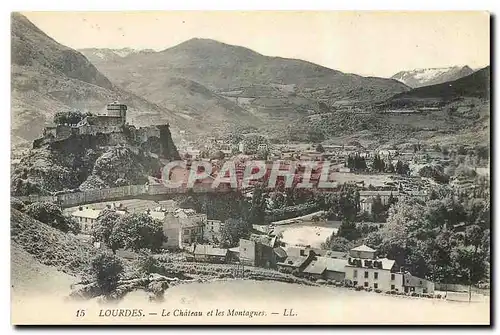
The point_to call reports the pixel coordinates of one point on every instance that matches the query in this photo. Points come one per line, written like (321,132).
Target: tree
(378,209)
(103,227)
(435,172)
(137,231)
(319,148)
(337,243)
(233,230)
(378,164)
(51,214)
(348,230)
(107,270)
(148,264)
(258,207)
(71,117)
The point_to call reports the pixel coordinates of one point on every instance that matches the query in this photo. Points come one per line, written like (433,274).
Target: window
(366,274)
(366,284)
(375,275)
(375,285)
(393,287)
(85,219)
(420,282)
(393,276)
(355,273)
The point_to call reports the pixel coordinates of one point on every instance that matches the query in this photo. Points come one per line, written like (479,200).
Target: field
(306,233)
(368,179)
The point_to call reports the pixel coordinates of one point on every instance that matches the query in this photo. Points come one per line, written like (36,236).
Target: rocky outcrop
(89,162)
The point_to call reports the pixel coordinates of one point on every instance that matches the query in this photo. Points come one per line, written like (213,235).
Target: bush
(359,288)
(107,270)
(148,264)
(51,214)
(378,291)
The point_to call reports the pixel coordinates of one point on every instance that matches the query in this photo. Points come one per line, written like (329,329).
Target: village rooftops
(375,193)
(294,261)
(205,249)
(337,254)
(385,264)
(280,252)
(157,215)
(263,239)
(363,248)
(89,213)
(320,264)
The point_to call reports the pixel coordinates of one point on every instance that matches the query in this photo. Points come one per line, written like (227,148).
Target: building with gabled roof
(365,269)
(207,253)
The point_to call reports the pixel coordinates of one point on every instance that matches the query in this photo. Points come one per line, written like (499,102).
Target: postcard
(250,168)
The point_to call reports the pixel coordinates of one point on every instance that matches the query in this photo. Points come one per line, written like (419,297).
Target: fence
(460,288)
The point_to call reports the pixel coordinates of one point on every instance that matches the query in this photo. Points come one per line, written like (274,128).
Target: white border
(104,5)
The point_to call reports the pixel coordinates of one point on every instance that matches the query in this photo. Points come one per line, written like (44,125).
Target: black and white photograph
(250,168)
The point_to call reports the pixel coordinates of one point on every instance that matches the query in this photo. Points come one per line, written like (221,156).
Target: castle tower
(117,110)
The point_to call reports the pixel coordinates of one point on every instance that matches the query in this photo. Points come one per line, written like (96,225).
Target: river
(256,302)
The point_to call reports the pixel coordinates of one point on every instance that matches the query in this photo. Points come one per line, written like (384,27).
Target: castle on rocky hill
(112,120)
(110,127)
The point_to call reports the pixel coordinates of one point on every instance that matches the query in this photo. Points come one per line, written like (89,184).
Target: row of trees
(358,163)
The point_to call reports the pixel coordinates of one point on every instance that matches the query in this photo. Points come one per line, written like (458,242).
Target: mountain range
(431,76)
(204,86)
(218,79)
(476,84)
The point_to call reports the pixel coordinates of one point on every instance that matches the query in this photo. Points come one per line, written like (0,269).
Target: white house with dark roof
(365,269)
(86,217)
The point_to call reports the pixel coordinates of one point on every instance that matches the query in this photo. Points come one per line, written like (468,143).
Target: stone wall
(115,193)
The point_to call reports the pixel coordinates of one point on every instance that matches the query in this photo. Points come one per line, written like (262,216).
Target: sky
(366,43)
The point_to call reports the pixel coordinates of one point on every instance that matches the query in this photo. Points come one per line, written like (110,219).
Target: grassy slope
(50,246)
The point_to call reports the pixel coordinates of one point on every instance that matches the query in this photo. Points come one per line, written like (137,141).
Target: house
(258,250)
(207,253)
(326,268)
(182,228)
(384,195)
(213,230)
(417,285)
(365,269)
(86,217)
(296,263)
(280,254)
(298,251)
(366,205)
